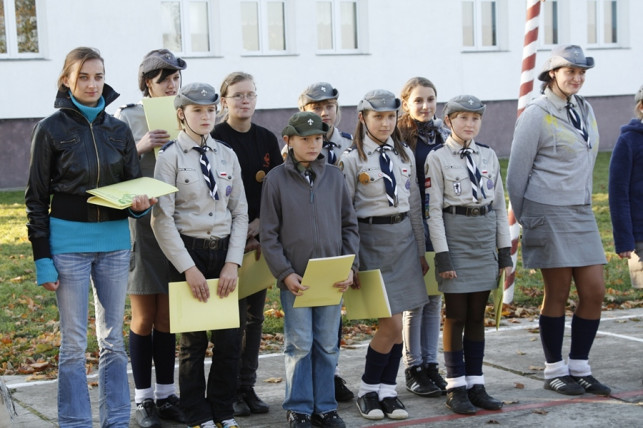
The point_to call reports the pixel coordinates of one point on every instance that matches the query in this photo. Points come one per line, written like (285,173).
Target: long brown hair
(80,54)
(229,80)
(407,126)
(360,132)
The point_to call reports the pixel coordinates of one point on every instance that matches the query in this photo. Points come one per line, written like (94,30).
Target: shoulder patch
(482,145)
(346,135)
(350,149)
(166,145)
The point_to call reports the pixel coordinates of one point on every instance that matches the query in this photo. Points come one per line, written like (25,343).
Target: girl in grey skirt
(470,234)
(549,181)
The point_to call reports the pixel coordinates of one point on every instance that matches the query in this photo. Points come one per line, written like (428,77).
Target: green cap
(196,93)
(305,123)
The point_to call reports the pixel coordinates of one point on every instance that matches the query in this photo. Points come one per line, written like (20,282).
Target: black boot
(432,372)
(458,401)
(418,383)
(479,397)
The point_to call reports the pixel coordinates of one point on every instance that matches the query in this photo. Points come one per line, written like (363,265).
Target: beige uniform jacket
(134,116)
(192,211)
(449,185)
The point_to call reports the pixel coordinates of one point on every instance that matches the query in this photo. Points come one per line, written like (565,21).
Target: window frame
(263,29)
(541,25)
(600,25)
(11,32)
(499,29)
(336,28)
(186,50)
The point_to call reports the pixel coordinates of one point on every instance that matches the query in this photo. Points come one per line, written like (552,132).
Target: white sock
(474,380)
(557,369)
(365,388)
(456,382)
(141,395)
(579,368)
(164,390)
(336,370)
(386,391)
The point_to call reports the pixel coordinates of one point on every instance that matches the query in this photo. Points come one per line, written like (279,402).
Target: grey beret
(196,93)
(305,123)
(379,100)
(463,103)
(158,59)
(565,56)
(639,95)
(316,92)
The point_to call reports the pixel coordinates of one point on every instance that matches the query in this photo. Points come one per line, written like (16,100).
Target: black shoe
(298,420)
(256,404)
(240,407)
(369,406)
(432,372)
(170,408)
(329,419)
(479,398)
(564,385)
(342,393)
(458,401)
(591,385)
(146,414)
(393,408)
(419,383)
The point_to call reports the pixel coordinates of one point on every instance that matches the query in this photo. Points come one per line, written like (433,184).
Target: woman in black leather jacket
(78,148)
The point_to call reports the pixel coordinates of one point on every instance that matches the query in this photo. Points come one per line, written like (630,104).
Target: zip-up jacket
(70,155)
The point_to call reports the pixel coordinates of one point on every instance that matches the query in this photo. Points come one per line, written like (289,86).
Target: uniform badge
(407,185)
(228,190)
(489,184)
(259,176)
(363,177)
(457,188)
(341,165)
(405,171)
(427,182)
(223,174)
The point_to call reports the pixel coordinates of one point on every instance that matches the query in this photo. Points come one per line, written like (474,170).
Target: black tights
(464,312)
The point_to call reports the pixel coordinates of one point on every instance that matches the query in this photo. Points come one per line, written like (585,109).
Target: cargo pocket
(534,231)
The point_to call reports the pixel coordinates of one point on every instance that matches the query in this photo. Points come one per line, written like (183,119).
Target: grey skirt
(473,252)
(560,236)
(148,266)
(392,249)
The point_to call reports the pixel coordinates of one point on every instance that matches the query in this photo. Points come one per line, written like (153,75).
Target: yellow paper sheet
(189,314)
(371,300)
(430,281)
(120,195)
(161,114)
(254,275)
(320,276)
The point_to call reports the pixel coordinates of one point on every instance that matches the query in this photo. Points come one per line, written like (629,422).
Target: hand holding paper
(320,277)
(122,195)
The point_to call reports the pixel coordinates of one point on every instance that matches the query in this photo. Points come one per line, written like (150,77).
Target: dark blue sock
(551,337)
(140,349)
(164,347)
(454,363)
(473,355)
(389,374)
(583,334)
(375,364)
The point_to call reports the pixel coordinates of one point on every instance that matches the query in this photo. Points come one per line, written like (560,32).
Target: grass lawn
(29,335)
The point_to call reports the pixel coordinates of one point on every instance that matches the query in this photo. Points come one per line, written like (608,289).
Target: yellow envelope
(430,281)
(320,276)
(161,114)
(189,314)
(254,275)
(371,300)
(120,195)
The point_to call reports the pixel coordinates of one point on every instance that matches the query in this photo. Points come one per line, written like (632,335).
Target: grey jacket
(300,221)
(550,163)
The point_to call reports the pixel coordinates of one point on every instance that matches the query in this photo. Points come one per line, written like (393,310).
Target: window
(263,26)
(479,24)
(337,28)
(548,33)
(602,27)
(187,26)
(19,29)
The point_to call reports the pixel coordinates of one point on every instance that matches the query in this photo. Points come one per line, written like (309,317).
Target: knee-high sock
(551,337)
(583,334)
(389,374)
(164,356)
(454,363)
(140,348)
(374,367)
(473,356)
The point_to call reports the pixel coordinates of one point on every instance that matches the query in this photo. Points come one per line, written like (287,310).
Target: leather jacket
(70,155)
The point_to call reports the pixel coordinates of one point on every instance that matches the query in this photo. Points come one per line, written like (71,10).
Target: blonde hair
(82,55)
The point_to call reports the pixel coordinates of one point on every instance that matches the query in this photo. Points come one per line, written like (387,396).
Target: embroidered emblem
(427,182)
(489,184)
(457,188)
(470,102)
(228,190)
(323,89)
(204,92)
(407,185)
(310,122)
(363,177)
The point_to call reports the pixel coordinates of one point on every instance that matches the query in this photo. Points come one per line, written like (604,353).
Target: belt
(469,211)
(205,244)
(387,219)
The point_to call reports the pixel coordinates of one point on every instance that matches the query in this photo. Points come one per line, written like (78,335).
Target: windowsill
(345,53)
(20,58)
(483,50)
(197,56)
(267,54)
(604,47)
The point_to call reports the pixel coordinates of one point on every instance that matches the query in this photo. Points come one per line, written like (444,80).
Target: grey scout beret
(304,124)
(158,59)
(379,100)
(464,103)
(196,93)
(565,56)
(316,92)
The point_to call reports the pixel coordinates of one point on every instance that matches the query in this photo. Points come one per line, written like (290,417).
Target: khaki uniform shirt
(134,116)
(449,185)
(192,211)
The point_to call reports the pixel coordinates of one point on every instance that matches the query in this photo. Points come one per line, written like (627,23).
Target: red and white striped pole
(526,87)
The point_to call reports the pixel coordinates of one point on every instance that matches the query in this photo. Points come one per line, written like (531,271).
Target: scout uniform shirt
(448,185)
(134,116)
(192,211)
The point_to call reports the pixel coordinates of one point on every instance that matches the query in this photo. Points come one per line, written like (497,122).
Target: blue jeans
(421,332)
(108,272)
(310,336)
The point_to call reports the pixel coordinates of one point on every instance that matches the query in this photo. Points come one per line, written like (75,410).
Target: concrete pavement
(513,373)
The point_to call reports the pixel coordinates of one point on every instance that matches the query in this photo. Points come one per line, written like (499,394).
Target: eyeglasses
(250,96)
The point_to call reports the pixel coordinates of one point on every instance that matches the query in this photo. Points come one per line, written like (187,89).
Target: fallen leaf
(521,353)
(274,380)
(540,412)
(519,385)
(536,368)
(492,422)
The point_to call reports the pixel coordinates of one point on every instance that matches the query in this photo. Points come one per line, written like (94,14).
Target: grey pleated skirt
(473,252)
(560,236)
(148,266)
(392,249)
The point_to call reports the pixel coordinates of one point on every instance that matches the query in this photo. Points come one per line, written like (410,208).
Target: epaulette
(166,145)
(350,148)
(224,143)
(346,135)
(482,145)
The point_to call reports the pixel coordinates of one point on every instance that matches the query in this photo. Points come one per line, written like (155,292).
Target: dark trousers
(251,313)
(201,403)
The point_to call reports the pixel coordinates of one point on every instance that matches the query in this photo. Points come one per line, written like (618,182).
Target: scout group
(410,180)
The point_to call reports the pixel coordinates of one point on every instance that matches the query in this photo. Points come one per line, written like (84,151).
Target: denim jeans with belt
(214,402)
(310,336)
(108,272)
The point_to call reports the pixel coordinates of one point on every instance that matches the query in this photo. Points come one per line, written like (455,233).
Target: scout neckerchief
(207,171)
(474,174)
(386,165)
(578,123)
